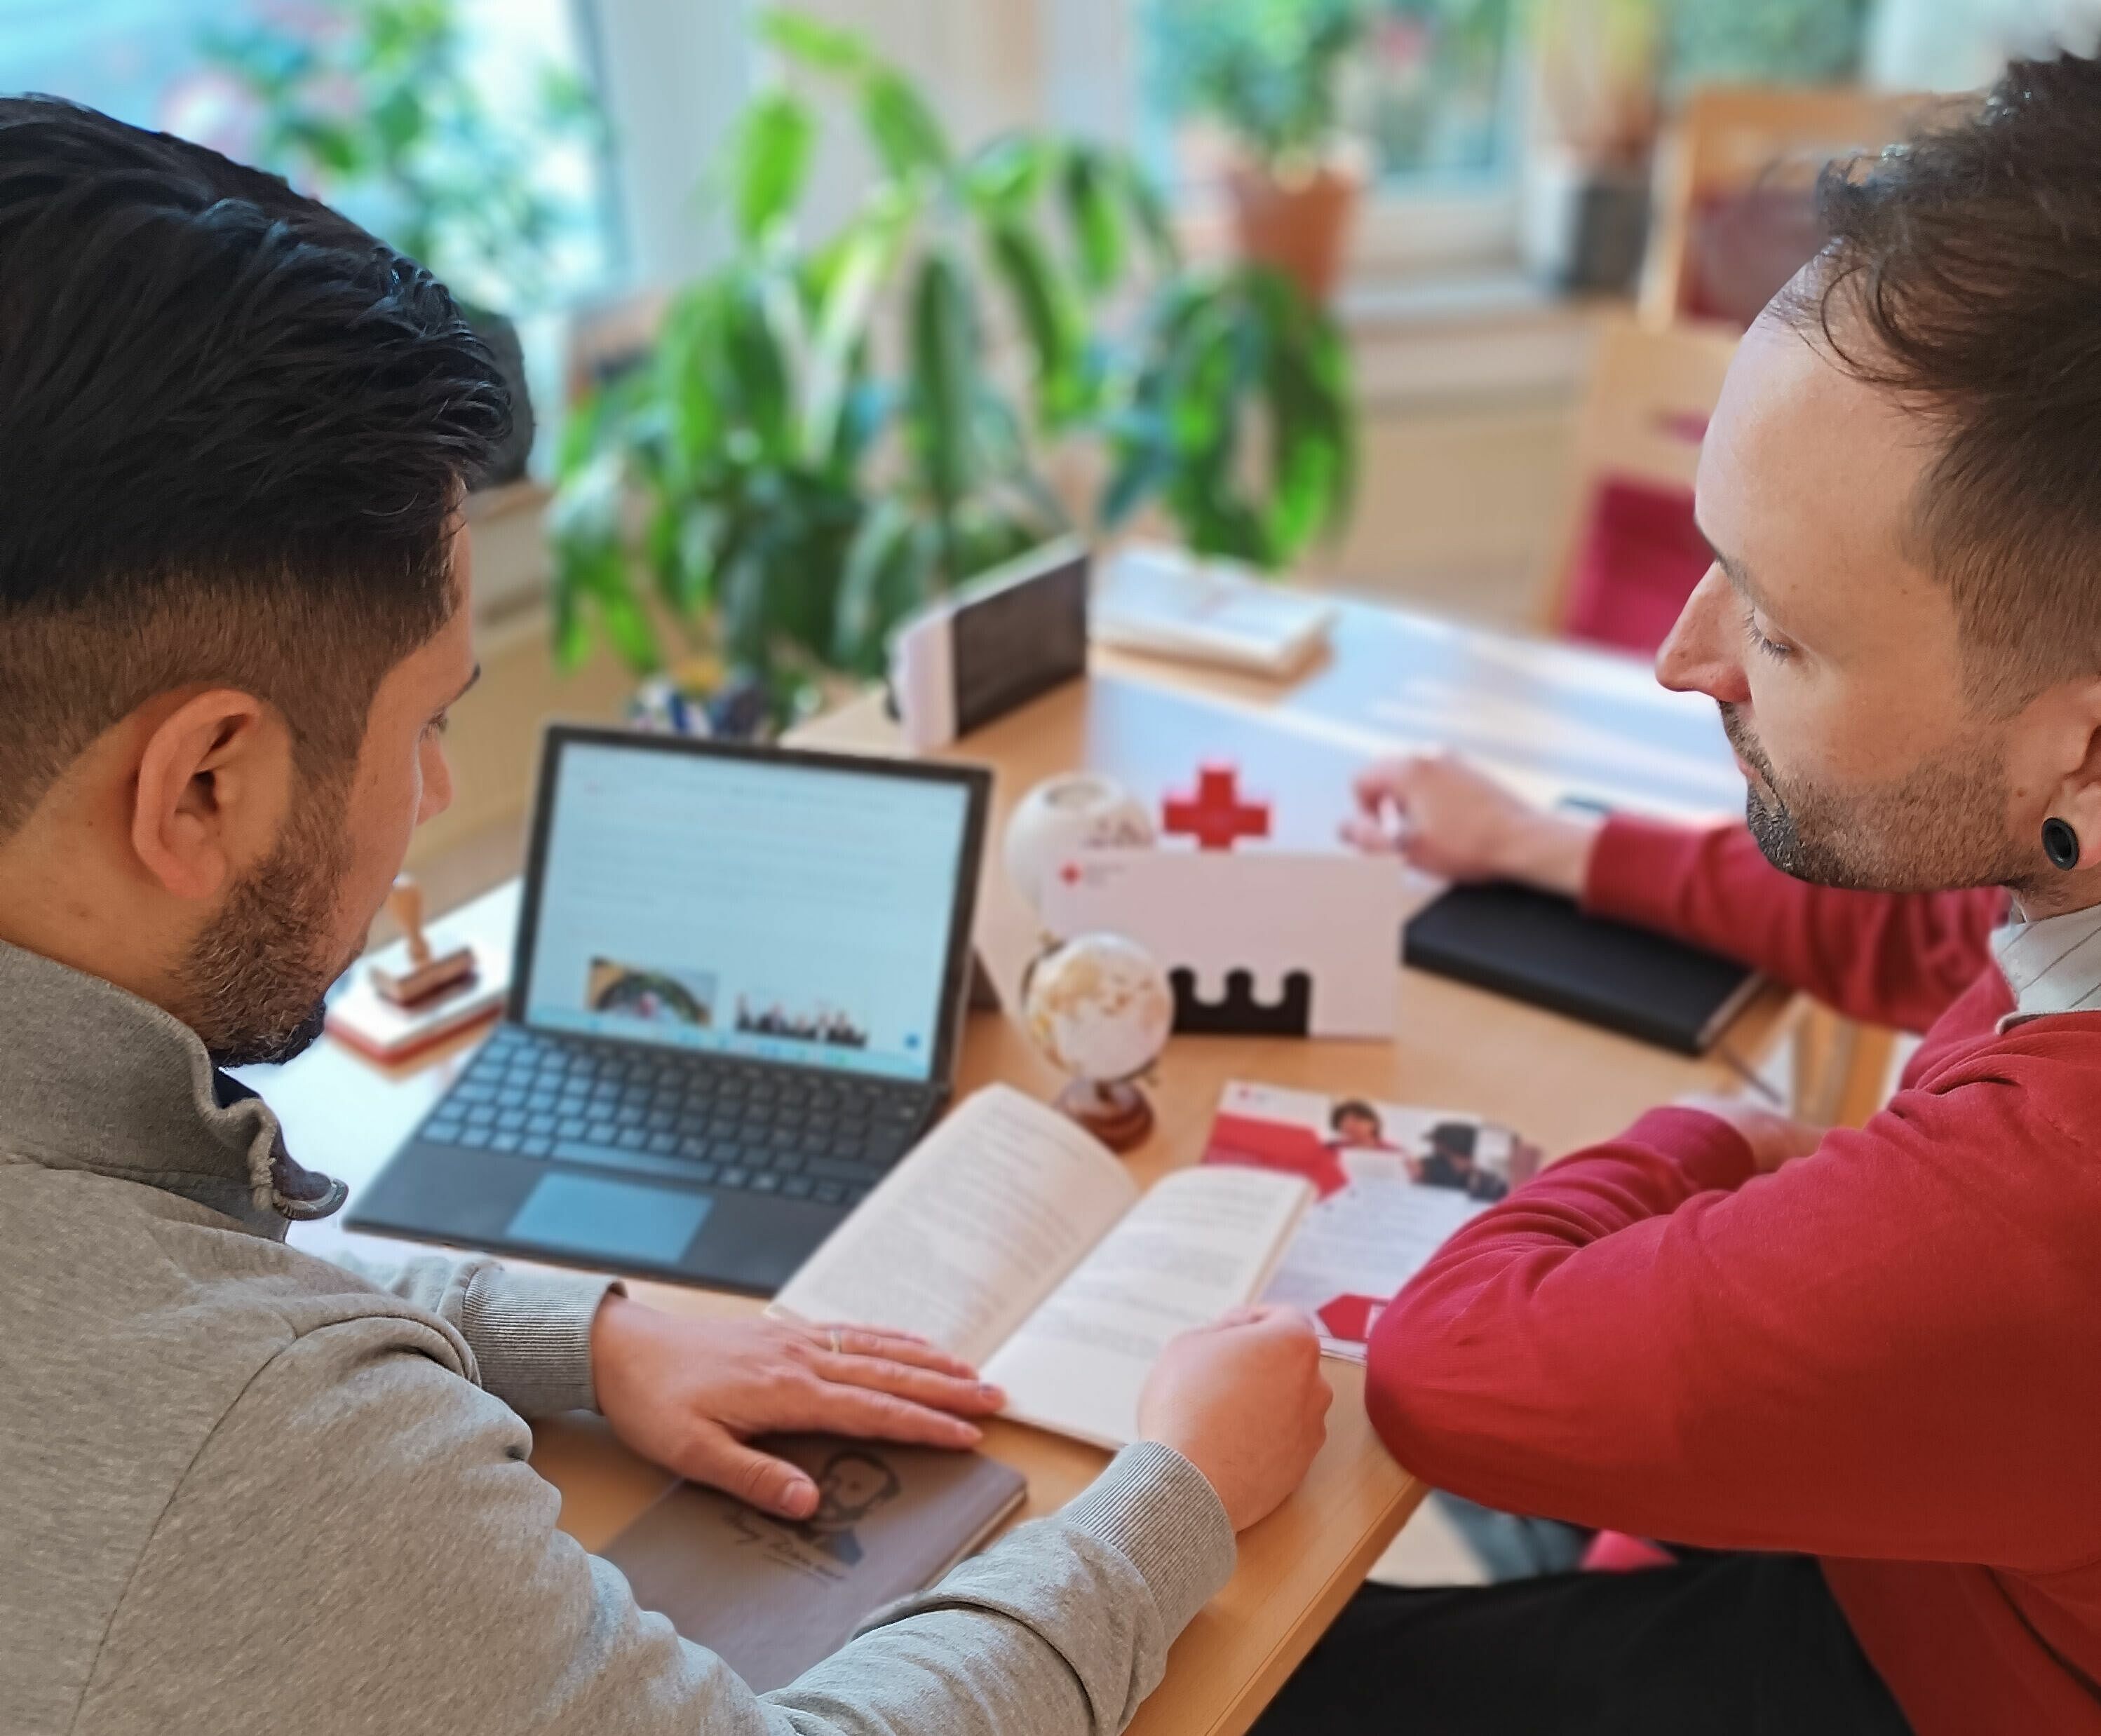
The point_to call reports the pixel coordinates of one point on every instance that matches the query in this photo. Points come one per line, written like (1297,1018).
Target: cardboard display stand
(1255,941)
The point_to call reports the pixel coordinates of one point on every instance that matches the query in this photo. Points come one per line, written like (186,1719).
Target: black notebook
(1536,946)
(771,1596)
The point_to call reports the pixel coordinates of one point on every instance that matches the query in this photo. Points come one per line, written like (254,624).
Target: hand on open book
(1451,820)
(1244,1401)
(689,1393)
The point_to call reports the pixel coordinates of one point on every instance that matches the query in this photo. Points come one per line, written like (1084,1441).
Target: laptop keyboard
(722,1123)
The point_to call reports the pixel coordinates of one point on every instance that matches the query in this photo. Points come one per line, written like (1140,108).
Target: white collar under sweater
(2052,965)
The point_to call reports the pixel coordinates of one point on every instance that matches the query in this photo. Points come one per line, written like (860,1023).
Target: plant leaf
(629,629)
(866,257)
(1311,418)
(745,638)
(857,619)
(1142,469)
(812,43)
(909,139)
(944,359)
(1096,218)
(1048,317)
(1004,176)
(769,163)
(757,369)
(573,640)
(1144,197)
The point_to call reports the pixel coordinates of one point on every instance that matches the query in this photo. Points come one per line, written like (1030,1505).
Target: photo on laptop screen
(745,905)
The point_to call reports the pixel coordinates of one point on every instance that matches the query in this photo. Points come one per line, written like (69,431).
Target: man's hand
(1243,1400)
(1445,818)
(1774,1138)
(688,1393)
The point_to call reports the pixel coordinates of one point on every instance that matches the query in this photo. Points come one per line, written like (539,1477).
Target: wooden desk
(1600,727)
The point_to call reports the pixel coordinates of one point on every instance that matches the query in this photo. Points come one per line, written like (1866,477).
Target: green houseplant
(1238,417)
(1270,71)
(377,113)
(816,443)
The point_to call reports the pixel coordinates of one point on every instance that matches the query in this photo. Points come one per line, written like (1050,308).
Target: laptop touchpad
(609,1220)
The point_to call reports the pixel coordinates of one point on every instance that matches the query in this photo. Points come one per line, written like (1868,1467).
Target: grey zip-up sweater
(242,1489)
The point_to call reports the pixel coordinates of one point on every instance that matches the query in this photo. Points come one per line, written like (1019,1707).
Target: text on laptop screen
(751,908)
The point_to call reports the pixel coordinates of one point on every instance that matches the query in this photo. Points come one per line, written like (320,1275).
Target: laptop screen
(758,907)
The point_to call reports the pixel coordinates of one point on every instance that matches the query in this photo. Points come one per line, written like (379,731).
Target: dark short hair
(1963,272)
(234,433)
(1357,1106)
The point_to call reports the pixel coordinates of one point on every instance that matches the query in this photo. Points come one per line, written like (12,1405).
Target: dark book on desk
(1536,946)
(772,1596)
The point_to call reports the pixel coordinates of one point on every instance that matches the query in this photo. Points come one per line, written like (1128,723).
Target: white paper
(1202,1241)
(1359,1240)
(971,1230)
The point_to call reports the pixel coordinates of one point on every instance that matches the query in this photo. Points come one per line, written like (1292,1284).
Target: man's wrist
(1552,852)
(1160,1512)
(534,1335)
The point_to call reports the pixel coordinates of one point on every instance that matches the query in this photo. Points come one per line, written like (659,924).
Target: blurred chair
(1735,208)
(607,339)
(1630,553)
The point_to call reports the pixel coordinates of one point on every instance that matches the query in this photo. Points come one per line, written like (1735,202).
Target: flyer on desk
(1392,1182)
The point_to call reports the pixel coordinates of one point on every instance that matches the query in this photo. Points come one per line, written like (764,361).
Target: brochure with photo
(1389,1184)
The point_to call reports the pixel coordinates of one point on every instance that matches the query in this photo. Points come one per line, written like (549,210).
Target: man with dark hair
(851,1485)
(247,1491)
(1858,1365)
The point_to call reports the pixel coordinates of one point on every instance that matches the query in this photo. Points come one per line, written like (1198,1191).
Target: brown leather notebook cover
(771,1596)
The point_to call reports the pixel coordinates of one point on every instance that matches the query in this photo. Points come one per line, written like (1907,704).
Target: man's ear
(213,783)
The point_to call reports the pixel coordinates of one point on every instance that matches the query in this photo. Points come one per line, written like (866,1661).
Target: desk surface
(1602,730)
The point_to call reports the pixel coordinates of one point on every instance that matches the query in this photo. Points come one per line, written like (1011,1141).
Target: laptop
(739,989)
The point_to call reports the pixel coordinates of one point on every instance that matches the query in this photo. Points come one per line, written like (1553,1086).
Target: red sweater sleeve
(1887,1350)
(1891,958)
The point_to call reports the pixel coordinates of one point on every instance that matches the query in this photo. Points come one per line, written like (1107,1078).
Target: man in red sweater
(1859,1371)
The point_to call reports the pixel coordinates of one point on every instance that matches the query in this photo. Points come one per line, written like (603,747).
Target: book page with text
(1202,1241)
(971,1230)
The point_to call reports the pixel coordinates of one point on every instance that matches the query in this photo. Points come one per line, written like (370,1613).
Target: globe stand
(1116,1112)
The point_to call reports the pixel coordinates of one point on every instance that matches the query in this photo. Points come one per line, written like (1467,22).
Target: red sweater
(1888,1354)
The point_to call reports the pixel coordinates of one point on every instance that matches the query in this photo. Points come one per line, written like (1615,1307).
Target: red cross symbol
(1216,814)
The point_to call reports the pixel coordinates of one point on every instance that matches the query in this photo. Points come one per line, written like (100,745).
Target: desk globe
(1101,1009)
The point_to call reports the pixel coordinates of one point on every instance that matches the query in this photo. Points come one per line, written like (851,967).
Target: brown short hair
(235,430)
(1970,259)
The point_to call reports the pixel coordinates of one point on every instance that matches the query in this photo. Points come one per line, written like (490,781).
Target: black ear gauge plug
(2060,843)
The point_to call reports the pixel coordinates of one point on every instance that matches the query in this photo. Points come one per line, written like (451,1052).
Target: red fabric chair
(1630,553)
(1639,557)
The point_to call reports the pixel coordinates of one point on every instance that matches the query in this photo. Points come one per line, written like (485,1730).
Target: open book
(1014,1239)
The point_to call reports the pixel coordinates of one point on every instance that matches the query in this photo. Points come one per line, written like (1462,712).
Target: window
(134,58)
(1436,99)
(143,62)
(1435,93)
